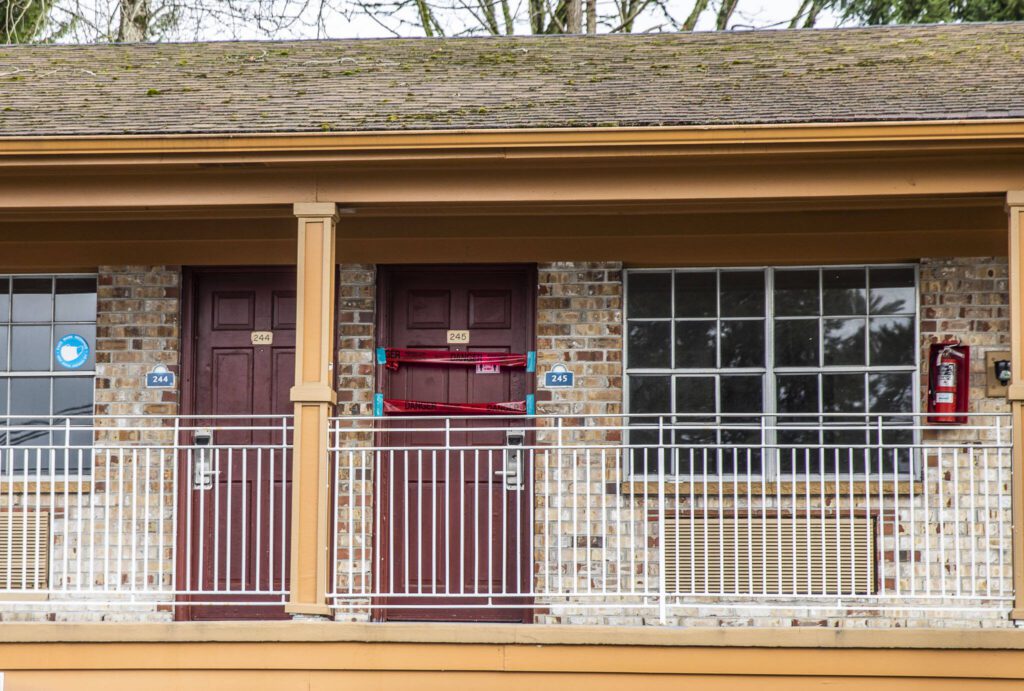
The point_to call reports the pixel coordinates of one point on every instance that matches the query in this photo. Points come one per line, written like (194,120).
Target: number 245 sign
(559,377)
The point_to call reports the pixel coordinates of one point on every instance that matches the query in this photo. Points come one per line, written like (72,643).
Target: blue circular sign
(72,351)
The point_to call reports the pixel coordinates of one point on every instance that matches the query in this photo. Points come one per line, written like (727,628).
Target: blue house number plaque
(159,378)
(559,377)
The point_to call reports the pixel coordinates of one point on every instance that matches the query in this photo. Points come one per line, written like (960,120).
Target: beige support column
(1015,208)
(314,399)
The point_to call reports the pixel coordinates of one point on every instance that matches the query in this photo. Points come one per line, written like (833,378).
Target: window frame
(769,371)
(52,375)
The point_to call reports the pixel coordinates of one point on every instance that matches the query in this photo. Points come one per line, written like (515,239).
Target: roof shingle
(761,77)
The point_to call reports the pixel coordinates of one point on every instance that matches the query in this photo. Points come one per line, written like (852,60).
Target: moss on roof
(971,71)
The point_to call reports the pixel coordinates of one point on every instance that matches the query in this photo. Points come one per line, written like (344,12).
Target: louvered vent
(24,550)
(770,556)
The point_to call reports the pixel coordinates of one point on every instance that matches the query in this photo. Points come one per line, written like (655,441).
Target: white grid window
(813,350)
(37,388)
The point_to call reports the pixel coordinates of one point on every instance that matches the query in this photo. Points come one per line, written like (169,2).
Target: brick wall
(354,382)
(356,314)
(138,326)
(967,298)
(579,323)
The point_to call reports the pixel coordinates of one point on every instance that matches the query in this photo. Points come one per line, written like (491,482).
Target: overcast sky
(749,14)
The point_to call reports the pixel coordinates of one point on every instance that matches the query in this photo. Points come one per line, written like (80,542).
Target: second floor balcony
(533,519)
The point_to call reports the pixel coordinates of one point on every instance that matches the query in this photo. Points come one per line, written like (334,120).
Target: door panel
(237,530)
(449,524)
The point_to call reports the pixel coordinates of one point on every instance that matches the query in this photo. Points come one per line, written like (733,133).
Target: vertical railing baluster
(662,589)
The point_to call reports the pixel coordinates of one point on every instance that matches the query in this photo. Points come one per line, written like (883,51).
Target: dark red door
(451,531)
(234,510)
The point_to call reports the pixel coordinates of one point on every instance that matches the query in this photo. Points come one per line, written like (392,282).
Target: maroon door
(234,526)
(450,530)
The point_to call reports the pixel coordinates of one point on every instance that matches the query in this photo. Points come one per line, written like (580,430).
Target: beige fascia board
(734,139)
(512,634)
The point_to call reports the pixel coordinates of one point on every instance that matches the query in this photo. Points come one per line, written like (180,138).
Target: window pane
(72,396)
(695,344)
(86,331)
(650,395)
(891,392)
(649,295)
(844,341)
(75,300)
(33,299)
(30,406)
(742,293)
(796,342)
(695,395)
(843,291)
(892,341)
(30,348)
(797,393)
(743,343)
(649,344)
(892,291)
(741,394)
(3,347)
(796,293)
(647,395)
(643,450)
(842,393)
(5,299)
(696,294)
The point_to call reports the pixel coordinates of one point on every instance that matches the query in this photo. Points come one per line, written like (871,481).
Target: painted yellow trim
(947,131)
(515,634)
(1016,296)
(275,656)
(313,397)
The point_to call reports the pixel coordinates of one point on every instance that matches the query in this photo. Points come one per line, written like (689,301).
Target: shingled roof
(842,75)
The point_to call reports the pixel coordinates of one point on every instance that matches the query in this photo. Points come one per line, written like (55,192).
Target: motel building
(598,362)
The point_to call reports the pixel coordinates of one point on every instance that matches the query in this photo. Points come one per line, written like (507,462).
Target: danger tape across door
(397,406)
(392,357)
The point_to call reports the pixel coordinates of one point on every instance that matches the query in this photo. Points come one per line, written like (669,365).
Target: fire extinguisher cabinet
(949,378)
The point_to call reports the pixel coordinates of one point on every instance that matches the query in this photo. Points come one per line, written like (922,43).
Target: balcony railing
(521,516)
(666,513)
(144,511)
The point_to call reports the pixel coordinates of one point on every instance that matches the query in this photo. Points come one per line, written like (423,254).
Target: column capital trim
(1014,198)
(315,210)
(313,394)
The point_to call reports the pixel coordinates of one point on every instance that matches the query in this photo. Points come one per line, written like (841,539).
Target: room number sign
(458,337)
(262,337)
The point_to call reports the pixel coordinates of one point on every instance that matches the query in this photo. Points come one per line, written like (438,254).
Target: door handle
(203,462)
(512,460)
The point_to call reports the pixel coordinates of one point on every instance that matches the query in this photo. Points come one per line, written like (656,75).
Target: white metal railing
(849,512)
(144,510)
(515,514)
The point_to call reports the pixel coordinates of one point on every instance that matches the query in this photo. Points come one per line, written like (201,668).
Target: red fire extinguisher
(948,362)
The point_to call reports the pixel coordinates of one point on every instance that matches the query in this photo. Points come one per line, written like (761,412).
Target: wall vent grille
(770,556)
(24,550)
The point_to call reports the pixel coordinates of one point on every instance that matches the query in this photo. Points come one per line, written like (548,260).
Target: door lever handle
(512,457)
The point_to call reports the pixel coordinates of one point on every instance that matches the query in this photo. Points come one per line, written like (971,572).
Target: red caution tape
(391,357)
(396,406)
